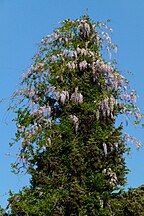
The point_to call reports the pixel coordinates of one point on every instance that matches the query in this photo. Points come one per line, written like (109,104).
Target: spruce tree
(66,114)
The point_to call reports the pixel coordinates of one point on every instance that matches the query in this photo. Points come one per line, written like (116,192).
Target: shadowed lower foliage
(129,203)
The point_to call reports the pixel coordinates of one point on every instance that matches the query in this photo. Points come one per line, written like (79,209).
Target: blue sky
(23,23)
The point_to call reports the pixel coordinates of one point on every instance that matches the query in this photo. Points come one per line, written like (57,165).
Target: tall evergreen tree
(66,113)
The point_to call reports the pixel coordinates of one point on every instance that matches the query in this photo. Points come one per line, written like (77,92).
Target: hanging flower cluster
(130,139)
(106,107)
(84,28)
(111,175)
(77,97)
(62,96)
(75,121)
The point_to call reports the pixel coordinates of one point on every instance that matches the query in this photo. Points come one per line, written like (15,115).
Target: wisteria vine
(51,84)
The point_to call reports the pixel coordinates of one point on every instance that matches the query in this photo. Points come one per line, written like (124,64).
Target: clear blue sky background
(23,23)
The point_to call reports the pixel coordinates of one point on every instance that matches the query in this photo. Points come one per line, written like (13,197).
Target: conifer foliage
(129,203)
(65,115)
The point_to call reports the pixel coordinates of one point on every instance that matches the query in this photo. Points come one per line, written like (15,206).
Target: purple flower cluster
(130,139)
(75,121)
(71,65)
(130,97)
(83,65)
(105,36)
(62,96)
(82,51)
(106,107)
(105,148)
(100,66)
(84,28)
(112,176)
(77,97)
(42,111)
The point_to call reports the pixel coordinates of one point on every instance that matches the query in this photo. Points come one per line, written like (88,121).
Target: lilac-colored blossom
(77,97)
(60,39)
(21,128)
(42,41)
(62,96)
(87,28)
(83,65)
(72,35)
(115,50)
(112,102)
(80,27)
(84,28)
(105,148)
(130,139)
(91,54)
(71,65)
(78,50)
(75,54)
(138,144)
(31,93)
(47,122)
(55,36)
(31,104)
(112,176)
(102,67)
(57,95)
(49,141)
(97,114)
(65,52)
(138,115)
(37,112)
(83,52)
(120,79)
(25,75)
(111,30)
(33,129)
(124,88)
(113,180)
(66,40)
(116,145)
(126,97)
(53,58)
(75,121)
